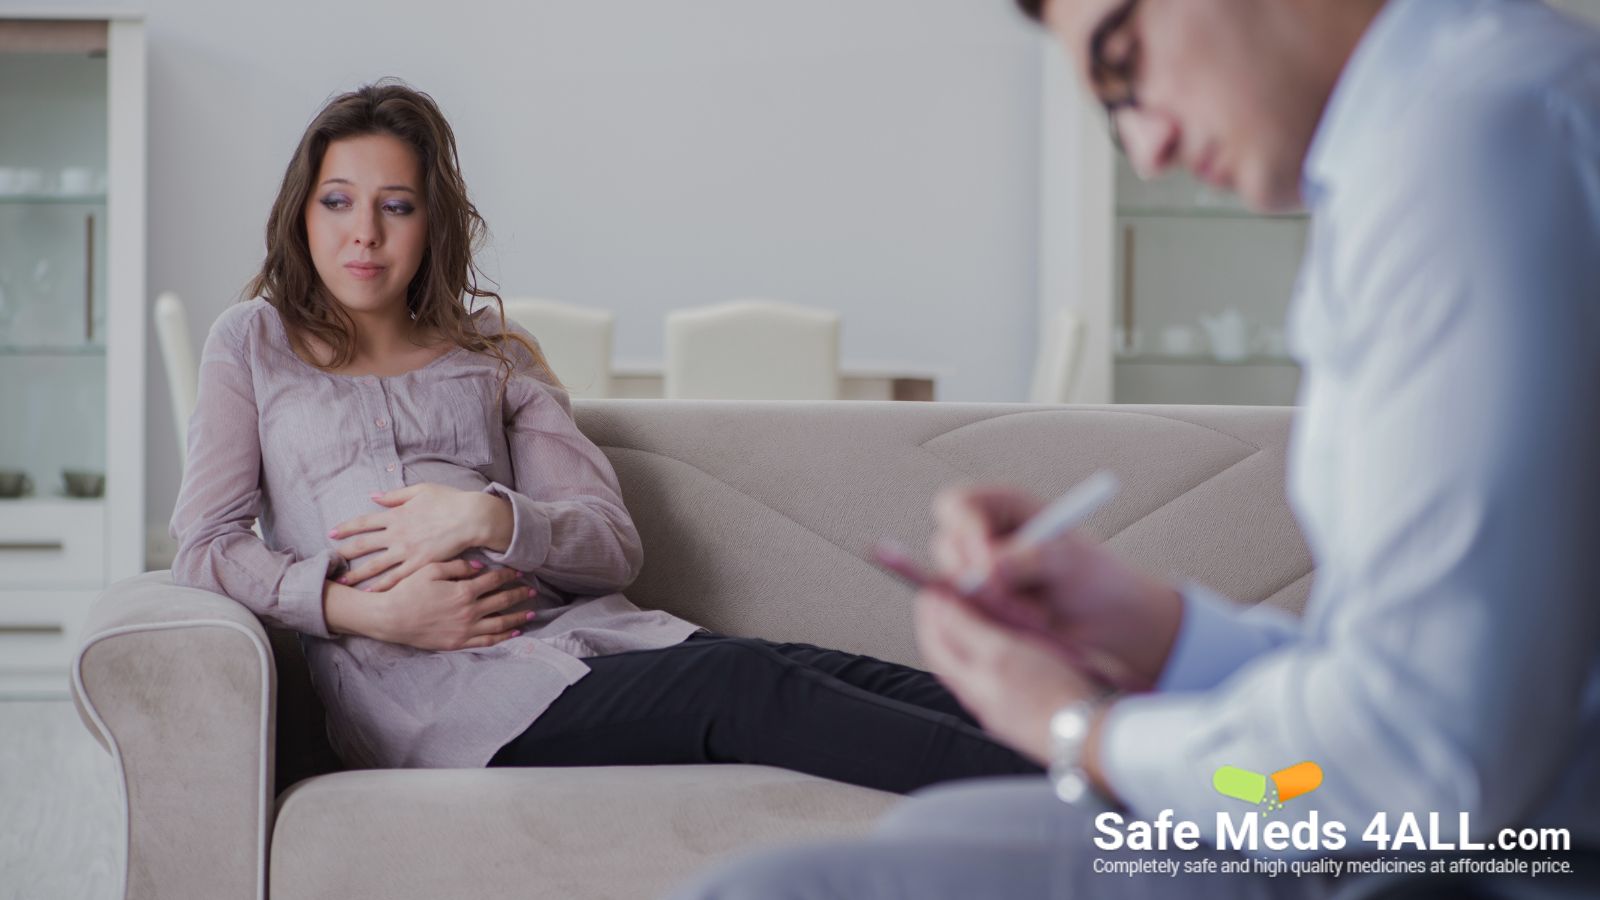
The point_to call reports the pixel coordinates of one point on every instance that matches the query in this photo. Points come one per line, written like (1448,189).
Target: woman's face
(367,222)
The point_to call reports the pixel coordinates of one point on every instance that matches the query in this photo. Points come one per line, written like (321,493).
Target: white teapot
(1229,333)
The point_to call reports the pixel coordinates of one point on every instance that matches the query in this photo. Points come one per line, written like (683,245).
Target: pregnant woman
(447,543)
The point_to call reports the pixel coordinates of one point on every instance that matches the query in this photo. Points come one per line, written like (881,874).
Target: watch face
(1071,787)
(1070,723)
(1069,727)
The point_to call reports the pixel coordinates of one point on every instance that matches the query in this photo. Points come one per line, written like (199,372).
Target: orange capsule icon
(1297,780)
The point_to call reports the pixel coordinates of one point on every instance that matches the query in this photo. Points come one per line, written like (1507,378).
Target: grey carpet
(59,817)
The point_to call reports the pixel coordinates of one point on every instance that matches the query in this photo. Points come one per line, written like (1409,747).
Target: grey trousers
(999,838)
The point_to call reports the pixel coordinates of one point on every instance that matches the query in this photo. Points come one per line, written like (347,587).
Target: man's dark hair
(1033,8)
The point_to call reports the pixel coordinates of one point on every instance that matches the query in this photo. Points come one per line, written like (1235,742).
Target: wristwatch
(1069,732)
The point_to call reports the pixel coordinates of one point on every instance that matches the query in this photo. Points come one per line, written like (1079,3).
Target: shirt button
(381,423)
(389,467)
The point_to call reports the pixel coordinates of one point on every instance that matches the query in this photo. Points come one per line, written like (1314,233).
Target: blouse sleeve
(570,528)
(221,497)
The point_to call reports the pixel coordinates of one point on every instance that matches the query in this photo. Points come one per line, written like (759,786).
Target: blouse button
(389,467)
(380,423)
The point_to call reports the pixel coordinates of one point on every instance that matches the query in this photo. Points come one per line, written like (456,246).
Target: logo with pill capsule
(1270,792)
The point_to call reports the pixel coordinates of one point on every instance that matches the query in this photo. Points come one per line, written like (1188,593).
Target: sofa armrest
(178,684)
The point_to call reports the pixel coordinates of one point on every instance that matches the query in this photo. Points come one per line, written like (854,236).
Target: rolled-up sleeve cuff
(1215,639)
(300,594)
(530,532)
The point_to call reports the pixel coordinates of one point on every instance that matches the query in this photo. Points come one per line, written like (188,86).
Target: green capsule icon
(1240,784)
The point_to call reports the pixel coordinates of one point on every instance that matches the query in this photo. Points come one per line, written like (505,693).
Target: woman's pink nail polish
(334,533)
(516,633)
(529,617)
(476,565)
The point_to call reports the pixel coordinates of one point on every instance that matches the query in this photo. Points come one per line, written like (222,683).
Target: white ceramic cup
(77,180)
(27,181)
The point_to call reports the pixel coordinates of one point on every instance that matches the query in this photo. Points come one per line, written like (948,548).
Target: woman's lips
(363,270)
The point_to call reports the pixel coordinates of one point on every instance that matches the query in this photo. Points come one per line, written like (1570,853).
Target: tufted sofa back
(756,517)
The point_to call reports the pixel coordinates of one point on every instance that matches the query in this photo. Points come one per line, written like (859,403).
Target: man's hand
(421,524)
(1074,593)
(1010,681)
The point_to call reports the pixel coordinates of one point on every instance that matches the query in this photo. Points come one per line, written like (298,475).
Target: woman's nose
(368,231)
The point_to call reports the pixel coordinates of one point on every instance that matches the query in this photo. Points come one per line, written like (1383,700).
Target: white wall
(875,156)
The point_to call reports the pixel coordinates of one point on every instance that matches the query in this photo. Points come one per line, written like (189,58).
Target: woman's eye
(398,208)
(335,201)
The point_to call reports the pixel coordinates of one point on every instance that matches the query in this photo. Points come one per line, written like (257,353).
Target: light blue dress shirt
(1445,465)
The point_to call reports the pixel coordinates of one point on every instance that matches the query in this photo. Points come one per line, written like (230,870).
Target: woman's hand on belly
(420,524)
(452,606)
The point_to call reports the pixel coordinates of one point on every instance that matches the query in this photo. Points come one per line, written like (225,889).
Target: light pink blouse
(303,449)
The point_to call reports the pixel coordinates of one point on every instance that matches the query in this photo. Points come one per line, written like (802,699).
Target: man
(1445,470)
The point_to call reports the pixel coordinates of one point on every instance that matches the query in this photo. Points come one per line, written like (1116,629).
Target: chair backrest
(575,340)
(1056,363)
(183,369)
(752,350)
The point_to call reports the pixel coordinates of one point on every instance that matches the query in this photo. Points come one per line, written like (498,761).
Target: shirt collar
(1371,92)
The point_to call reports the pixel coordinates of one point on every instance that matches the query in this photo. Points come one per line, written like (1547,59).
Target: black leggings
(715,699)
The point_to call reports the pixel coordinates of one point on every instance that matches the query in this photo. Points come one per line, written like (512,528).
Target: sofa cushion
(623,832)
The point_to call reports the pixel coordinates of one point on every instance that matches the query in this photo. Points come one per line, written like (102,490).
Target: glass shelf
(1196,359)
(1205,212)
(67,350)
(53,199)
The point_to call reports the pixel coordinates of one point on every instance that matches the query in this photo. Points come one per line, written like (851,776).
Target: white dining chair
(576,341)
(1058,358)
(183,368)
(752,350)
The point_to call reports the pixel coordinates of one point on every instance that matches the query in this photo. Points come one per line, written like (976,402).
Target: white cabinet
(1201,292)
(72,338)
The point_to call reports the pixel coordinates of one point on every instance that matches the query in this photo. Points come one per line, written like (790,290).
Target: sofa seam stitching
(1186,492)
(752,498)
(1119,412)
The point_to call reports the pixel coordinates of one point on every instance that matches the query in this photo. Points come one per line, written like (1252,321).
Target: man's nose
(1150,139)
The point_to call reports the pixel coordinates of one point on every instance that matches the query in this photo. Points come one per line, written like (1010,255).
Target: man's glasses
(1114,64)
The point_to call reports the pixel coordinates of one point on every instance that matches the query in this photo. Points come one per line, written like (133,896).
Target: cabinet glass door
(1202,291)
(53,165)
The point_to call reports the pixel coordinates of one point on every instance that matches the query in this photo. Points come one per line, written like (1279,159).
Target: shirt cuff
(1146,754)
(530,532)
(1214,640)
(300,594)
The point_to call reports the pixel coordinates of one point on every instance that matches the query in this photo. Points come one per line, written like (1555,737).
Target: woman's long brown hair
(448,274)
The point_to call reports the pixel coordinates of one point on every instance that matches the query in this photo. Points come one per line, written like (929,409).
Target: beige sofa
(754,518)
